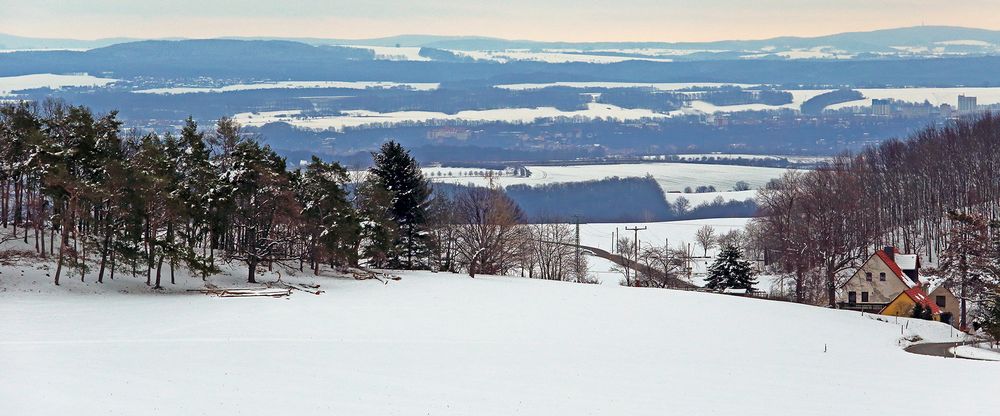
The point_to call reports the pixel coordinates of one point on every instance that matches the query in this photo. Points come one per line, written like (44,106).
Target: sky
(569,20)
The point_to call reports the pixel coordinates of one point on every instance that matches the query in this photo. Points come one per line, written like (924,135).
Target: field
(447,344)
(358,118)
(24,82)
(354,85)
(672,177)
(674,233)
(936,96)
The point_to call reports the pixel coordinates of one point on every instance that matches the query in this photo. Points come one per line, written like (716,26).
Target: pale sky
(570,20)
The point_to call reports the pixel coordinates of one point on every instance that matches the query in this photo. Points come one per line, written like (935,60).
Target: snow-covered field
(54,81)
(357,118)
(672,177)
(354,85)
(555,56)
(675,233)
(447,344)
(936,96)
(662,86)
(798,97)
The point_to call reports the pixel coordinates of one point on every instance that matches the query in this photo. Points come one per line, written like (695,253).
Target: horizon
(553,20)
(475,36)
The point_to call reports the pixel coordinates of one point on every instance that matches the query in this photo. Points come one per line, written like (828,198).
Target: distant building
(967,105)
(882,107)
(446,133)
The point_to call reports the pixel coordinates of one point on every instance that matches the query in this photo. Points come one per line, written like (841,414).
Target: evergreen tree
(329,219)
(989,321)
(399,174)
(730,271)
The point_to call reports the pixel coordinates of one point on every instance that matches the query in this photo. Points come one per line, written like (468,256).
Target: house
(888,283)
(904,303)
(879,281)
(946,301)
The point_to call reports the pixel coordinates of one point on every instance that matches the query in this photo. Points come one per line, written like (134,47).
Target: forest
(102,202)
(935,194)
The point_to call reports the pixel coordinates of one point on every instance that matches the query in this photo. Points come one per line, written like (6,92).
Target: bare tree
(490,235)
(705,237)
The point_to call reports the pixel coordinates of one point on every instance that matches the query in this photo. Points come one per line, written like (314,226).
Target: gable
(875,265)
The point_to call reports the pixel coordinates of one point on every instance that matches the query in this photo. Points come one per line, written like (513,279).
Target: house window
(864,296)
(852,297)
(868,276)
(939,300)
(881,276)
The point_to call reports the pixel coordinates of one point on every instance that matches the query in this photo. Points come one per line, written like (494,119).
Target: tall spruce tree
(730,271)
(329,219)
(399,174)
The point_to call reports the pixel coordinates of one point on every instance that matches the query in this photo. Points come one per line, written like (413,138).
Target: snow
(670,176)
(817,52)
(447,344)
(936,96)
(359,118)
(969,351)
(355,85)
(662,86)
(732,156)
(553,56)
(402,53)
(657,233)
(965,42)
(55,81)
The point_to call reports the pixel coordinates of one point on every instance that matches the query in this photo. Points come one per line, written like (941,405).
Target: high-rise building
(881,107)
(966,104)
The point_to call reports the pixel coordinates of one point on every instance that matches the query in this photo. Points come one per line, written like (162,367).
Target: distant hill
(943,39)
(8,42)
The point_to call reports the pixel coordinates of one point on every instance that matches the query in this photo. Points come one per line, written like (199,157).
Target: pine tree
(328,216)
(730,271)
(399,174)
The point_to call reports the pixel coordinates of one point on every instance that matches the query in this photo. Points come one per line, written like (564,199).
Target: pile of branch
(361,274)
(304,287)
(242,292)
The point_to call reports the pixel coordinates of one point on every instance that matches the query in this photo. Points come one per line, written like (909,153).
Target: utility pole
(636,229)
(576,219)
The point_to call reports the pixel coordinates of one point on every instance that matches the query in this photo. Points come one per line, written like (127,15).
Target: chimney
(889,250)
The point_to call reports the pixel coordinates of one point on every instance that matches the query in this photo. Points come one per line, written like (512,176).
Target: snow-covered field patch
(554,56)
(935,96)
(672,177)
(662,86)
(358,118)
(54,81)
(450,345)
(354,85)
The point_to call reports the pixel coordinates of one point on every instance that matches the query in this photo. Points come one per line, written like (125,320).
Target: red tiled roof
(918,295)
(895,268)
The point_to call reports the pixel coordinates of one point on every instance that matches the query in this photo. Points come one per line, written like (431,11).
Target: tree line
(101,201)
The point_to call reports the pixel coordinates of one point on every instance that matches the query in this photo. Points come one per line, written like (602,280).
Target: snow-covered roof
(906,261)
(895,268)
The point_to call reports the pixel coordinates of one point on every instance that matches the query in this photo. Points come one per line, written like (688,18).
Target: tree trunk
(799,286)
(104,253)
(159,268)
(251,270)
(831,287)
